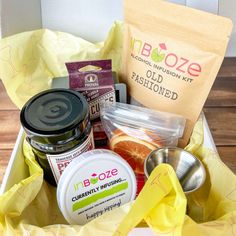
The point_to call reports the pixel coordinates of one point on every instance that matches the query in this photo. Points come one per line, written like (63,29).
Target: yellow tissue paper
(28,62)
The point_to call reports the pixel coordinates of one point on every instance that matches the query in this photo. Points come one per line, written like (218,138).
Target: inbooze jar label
(97,182)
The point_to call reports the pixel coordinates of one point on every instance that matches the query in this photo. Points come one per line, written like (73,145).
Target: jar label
(59,162)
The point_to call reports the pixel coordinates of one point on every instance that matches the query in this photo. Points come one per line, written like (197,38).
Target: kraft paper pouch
(171,56)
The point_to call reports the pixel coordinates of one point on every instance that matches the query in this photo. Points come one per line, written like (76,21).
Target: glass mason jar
(58,128)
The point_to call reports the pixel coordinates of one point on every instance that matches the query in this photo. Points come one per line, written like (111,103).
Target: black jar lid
(54,113)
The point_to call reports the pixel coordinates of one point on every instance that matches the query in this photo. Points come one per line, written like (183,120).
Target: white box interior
(89,19)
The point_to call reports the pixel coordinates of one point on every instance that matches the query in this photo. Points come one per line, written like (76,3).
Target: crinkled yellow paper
(28,62)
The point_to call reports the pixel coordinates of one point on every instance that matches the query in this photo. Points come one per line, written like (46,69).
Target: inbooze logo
(170,59)
(95,178)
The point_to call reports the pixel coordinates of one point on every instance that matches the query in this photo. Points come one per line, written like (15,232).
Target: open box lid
(88,19)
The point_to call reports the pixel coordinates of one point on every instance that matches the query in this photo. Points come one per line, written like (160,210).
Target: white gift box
(91,20)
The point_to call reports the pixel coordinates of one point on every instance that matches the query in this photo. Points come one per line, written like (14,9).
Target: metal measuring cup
(189,170)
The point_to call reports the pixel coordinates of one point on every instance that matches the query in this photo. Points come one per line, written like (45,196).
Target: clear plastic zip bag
(134,132)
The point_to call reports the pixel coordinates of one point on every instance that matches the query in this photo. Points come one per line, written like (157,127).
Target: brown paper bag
(171,56)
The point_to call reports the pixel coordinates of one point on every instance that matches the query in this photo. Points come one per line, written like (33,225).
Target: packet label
(59,162)
(94,80)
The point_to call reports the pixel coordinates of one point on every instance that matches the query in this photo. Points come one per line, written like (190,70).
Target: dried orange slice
(132,149)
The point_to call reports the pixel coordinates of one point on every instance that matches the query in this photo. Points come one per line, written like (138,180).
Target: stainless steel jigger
(189,170)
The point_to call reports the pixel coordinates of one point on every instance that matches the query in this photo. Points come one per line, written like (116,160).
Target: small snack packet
(94,80)
(134,132)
